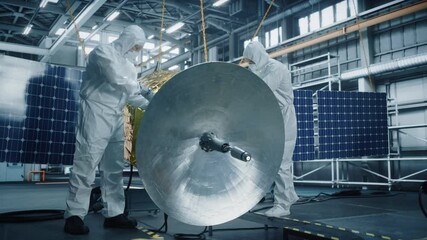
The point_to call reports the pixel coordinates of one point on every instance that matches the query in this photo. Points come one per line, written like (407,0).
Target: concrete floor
(371,215)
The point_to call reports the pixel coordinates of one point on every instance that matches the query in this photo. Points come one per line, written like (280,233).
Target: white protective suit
(110,82)
(277,77)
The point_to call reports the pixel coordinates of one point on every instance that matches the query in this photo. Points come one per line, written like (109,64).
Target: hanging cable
(82,44)
(189,236)
(165,225)
(363,47)
(159,55)
(263,19)
(203,31)
(421,191)
(259,25)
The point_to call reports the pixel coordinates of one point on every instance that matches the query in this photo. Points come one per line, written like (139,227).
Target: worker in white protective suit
(110,82)
(276,76)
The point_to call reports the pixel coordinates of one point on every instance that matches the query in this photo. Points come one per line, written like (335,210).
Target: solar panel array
(352,124)
(304,147)
(37,121)
(39,105)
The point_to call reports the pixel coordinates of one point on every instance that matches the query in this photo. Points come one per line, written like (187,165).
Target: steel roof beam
(12,47)
(80,20)
(30,5)
(20,29)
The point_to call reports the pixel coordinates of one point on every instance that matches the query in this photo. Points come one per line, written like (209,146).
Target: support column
(365,51)
(182,64)
(231,46)
(364,85)
(213,54)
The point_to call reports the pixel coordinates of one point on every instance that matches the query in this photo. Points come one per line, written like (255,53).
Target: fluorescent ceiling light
(164,45)
(84,35)
(113,16)
(184,35)
(149,46)
(174,51)
(166,48)
(219,3)
(112,38)
(44,2)
(175,27)
(60,31)
(150,37)
(27,29)
(94,26)
(95,38)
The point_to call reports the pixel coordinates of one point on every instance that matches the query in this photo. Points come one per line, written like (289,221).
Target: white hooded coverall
(276,75)
(110,82)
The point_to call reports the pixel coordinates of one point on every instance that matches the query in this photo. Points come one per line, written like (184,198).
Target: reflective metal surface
(210,188)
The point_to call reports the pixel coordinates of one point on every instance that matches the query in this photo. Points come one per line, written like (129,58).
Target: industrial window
(96,38)
(352,4)
(165,47)
(314,21)
(60,31)
(245,43)
(112,38)
(174,51)
(303,25)
(328,16)
(309,23)
(267,39)
(341,11)
(149,45)
(275,36)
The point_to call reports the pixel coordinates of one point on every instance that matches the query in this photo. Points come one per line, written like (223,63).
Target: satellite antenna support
(209,142)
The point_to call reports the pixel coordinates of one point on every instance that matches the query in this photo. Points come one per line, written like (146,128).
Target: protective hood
(130,36)
(255,51)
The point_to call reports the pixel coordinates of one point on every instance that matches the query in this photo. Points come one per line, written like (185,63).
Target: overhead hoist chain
(203,31)
(82,44)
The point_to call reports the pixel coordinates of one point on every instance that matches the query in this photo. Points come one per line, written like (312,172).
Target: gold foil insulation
(133,115)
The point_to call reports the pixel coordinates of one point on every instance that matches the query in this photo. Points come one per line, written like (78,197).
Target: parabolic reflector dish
(206,187)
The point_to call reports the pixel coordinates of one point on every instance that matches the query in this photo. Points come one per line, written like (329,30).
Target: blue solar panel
(352,124)
(39,104)
(304,147)
(37,118)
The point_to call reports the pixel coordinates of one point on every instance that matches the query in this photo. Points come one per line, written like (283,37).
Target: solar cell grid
(43,131)
(304,147)
(38,125)
(352,124)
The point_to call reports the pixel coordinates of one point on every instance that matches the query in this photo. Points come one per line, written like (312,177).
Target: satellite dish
(210,144)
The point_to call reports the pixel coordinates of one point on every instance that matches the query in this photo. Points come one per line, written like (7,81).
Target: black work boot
(120,221)
(75,225)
